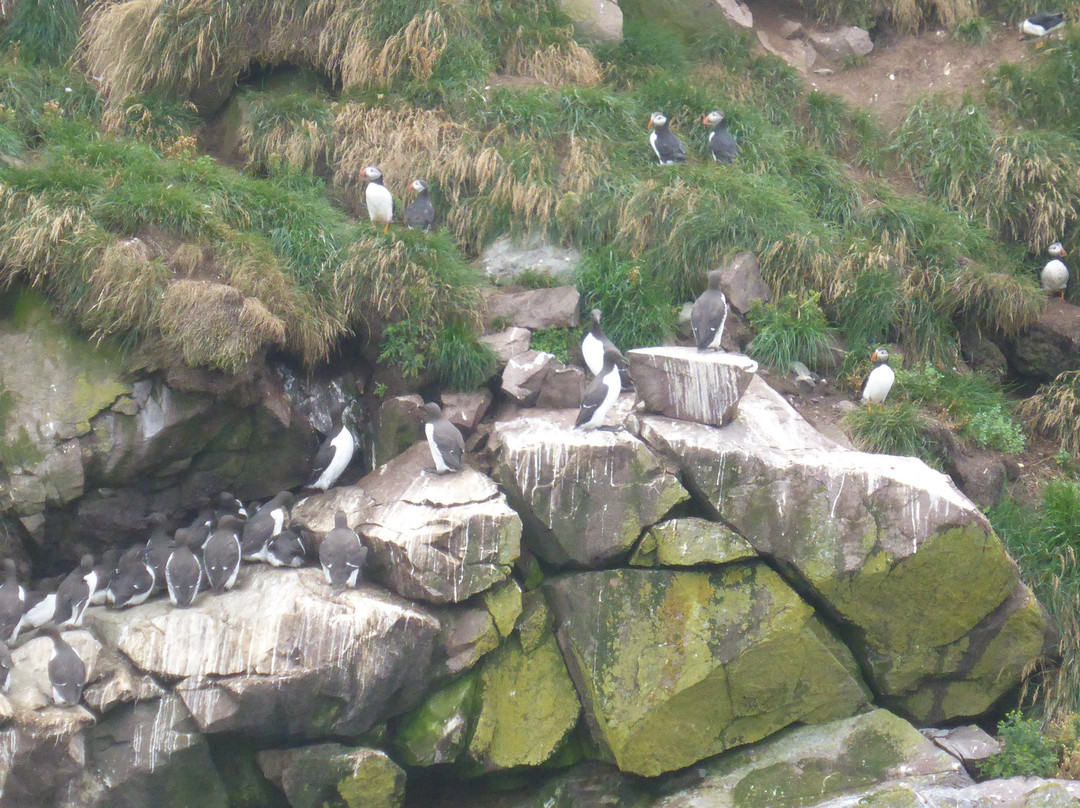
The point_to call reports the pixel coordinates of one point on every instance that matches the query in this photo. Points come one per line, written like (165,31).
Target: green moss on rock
(689,542)
(435,732)
(503,601)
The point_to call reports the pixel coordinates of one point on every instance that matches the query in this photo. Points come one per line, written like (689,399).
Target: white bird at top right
(1055,275)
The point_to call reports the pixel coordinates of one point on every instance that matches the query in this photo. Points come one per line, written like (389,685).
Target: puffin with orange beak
(722,145)
(880,380)
(1055,275)
(669,149)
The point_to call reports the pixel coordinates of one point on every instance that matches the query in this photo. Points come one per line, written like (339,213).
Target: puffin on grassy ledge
(1055,275)
(669,149)
(722,145)
(1041,24)
(880,380)
(380,202)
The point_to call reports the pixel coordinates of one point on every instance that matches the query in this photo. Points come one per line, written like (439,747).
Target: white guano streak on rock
(156,745)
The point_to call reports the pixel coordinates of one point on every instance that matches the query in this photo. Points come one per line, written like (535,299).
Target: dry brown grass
(303,146)
(557,65)
(1054,411)
(124,290)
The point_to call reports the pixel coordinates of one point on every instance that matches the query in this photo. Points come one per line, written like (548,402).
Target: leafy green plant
(559,342)
(896,428)
(791,330)
(1026,751)
(975,30)
(460,361)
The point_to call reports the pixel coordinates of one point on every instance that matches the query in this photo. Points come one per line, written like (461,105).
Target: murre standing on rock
(221,553)
(183,571)
(334,455)
(601,393)
(380,202)
(12,601)
(444,440)
(74,593)
(1041,24)
(158,549)
(134,580)
(420,213)
(342,555)
(7,664)
(595,343)
(880,380)
(722,145)
(106,570)
(287,548)
(709,314)
(1055,275)
(669,149)
(67,671)
(267,522)
(40,608)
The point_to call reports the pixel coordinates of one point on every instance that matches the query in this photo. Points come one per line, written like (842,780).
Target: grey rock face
(555,307)
(506,258)
(690,385)
(585,495)
(509,343)
(435,537)
(327,774)
(465,410)
(525,374)
(1050,345)
(844,42)
(742,282)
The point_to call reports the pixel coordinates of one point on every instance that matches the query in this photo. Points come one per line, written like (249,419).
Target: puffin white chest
(1054,276)
(436,455)
(380,203)
(652,142)
(878,384)
(592,351)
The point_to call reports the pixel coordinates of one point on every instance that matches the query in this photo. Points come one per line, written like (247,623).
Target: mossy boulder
(689,542)
(899,556)
(675,666)
(334,776)
(584,496)
(436,731)
(526,706)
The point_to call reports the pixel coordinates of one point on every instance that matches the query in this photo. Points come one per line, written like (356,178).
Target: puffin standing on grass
(1041,24)
(67,671)
(342,555)
(669,149)
(880,380)
(595,344)
(722,145)
(444,440)
(380,202)
(709,314)
(420,213)
(601,393)
(1055,275)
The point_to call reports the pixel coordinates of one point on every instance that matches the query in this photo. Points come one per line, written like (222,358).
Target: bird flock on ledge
(207,554)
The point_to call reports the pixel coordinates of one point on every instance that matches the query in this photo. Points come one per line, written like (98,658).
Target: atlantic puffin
(709,314)
(420,213)
(669,149)
(1041,24)
(595,344)
(1055,275)
(601,393)
(880,380)
(722,145)
(380,202)
(444,440)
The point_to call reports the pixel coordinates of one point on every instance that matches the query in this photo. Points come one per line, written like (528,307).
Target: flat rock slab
(585,496)
(509,343)
(689,542)
(675,666)
(944,625)
(690,385)
(436,537)
(332,774)
(535,309)
(281,655)
(967,744)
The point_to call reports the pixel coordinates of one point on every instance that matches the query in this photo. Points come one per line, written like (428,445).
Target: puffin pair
(419,214)
(1055,275)
(669,149)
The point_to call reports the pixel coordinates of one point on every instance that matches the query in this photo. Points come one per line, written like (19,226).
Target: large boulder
(437,537)
(600,20)
(846,42)
(893,551)
(506,257)
(689,384)
(1049,346)
(689,542)
(332,774)
(279,655)
(585,496)
(436,731)
(741,282)
(675,666)
(535,309)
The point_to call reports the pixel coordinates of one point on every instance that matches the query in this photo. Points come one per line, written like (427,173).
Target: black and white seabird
(287,548)
(1055,275)
(133,582)
(7,665)
(444,440)
(1041,24)
(221,553)
(380,202)
(595,343)
(105,572)
(880,380)
(267,522)
(334,455)
(342,555)
(709,314)
(67,671)
(183,572)
(74,593)
(669,149)
(158,549)
(420,213)
(601,393)
(722,145)
(228,505)
(12,601)
(40,608)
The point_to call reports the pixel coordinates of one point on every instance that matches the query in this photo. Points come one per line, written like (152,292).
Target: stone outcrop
(690,542)
(584,496)
(280,655)
(844,43)
(508,343)
(742,284)
(886,545)
(436,537)
(691,385)
(506,257)
(675,666)
(600,20)
(1049,346)
(552,307)
(332,774)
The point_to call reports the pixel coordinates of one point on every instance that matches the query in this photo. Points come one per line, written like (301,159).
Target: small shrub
(895,428)
(791,330)
(535,279)
(559,342)
(460,361)
(974,31)
(637,309)
(1054,411)
(1026,751)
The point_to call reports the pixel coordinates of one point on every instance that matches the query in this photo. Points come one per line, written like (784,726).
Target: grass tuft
(1054,411)
(791,330)
(633,300)
(895,428)
(43,31)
